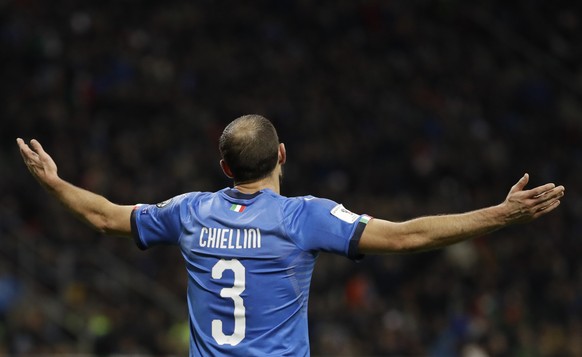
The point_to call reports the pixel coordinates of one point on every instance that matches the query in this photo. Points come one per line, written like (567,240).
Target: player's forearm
(93,209)
(430,232)
(434,232)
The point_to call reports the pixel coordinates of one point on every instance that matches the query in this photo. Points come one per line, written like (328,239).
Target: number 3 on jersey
(231,293)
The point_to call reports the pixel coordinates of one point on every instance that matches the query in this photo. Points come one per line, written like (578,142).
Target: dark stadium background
(394,108)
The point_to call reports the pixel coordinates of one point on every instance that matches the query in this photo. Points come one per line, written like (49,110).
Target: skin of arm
(432,232)
(101,214)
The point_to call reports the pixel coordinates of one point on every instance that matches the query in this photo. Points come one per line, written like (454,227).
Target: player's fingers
(25,151)
(38,151)
(22,145)
(549,194)
(520,184)
(541,190)
(547,199)
(547,209)
(37,147)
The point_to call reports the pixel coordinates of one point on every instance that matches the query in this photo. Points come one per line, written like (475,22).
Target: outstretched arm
(96,210)
(431,232)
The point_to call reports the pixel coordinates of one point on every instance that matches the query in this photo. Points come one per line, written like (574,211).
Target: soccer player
(250,251)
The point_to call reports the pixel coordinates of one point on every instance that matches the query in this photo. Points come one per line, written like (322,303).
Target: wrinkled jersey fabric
(250,259)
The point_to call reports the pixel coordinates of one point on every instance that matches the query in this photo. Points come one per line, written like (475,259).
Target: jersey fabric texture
(250,260)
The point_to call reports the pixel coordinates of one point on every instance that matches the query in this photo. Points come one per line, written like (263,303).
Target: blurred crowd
(393,108)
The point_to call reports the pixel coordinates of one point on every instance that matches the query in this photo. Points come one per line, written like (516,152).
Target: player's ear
(282,154)
(226,169)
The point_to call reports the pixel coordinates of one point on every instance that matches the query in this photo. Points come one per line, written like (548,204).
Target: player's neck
(270,182)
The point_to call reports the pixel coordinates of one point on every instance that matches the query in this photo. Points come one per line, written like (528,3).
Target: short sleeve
(317,224)
(157,224)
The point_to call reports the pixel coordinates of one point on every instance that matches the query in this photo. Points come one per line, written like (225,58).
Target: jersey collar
(234,193)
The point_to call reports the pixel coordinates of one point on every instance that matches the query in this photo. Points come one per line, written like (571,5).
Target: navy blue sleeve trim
(135,232)
(353,252)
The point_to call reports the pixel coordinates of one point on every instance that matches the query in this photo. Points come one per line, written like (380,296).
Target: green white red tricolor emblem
(237,208)
(365,218)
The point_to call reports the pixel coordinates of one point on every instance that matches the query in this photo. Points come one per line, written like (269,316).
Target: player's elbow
(99,223)
(115,221)
(412,239)
(108,226)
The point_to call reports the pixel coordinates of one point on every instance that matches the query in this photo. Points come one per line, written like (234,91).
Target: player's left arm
(432,232)
(95,210)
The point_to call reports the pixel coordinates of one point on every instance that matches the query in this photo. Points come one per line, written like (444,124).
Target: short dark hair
(249,145)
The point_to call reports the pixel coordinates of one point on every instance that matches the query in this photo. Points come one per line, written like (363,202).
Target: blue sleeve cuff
(135,232)
(353,250)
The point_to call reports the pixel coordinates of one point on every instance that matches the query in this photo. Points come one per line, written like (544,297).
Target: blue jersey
(249,259)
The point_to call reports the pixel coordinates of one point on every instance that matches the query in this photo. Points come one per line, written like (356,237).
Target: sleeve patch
(344,214)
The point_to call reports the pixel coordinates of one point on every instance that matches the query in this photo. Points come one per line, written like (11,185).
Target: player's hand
(526,205)
(39,163)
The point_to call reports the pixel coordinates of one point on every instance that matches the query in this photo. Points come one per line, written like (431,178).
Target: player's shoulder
(308,203)
(182,198)
(314,199)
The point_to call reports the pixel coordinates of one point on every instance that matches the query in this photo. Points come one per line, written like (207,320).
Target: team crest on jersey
(163,203)
(344,214)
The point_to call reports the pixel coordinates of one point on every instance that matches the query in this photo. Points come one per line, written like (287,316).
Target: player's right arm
(432,232)
(95,210)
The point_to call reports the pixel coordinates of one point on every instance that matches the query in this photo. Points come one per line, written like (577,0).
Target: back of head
(249,145)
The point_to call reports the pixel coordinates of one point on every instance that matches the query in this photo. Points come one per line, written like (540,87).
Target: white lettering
(202,241)
(223,238)
(230,246)
(211,237)
(238,246)
(226,238)
(252,238)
